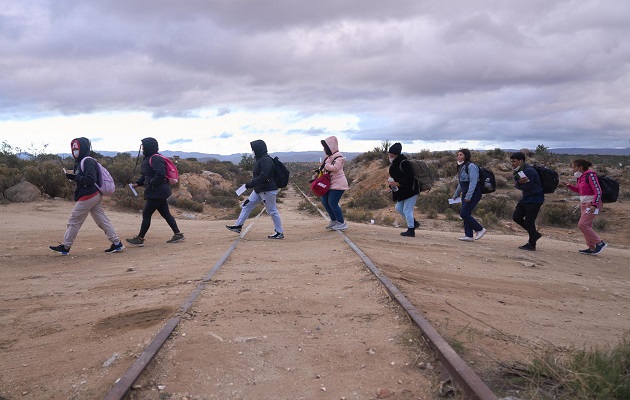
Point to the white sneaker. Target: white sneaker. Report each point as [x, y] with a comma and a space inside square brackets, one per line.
[467, 239]
[480, 234]
[340, 227]
[331, 225]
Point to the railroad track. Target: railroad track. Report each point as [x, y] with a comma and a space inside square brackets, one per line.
[453, 365]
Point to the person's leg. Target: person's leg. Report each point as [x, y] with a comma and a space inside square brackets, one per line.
[407, 211]
[333, 202]
[103, 222]
[470, 223]
[518, 215]
[77, 218]
[326, 203]
[165, 212]
[269, 199]
[586, 227]
[531, 213]
[150, 205]
[252, 201]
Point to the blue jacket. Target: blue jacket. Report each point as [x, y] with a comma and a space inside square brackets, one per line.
[468, 179]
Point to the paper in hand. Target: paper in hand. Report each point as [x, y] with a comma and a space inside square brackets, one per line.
[241, 190]
[133, 190]
[455, 201]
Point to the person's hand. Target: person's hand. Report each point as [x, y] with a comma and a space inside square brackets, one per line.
[134, 185]
[71, 176]
[565, 183]
[523, 180]
[466, 201]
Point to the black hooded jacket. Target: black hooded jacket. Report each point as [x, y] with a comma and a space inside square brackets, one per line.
[85, 179]
[153, 172]
[262, 180]
[402, 172]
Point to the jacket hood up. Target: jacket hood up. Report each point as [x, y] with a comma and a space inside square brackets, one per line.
[330, 144]
[149, 146]
[259, 148]
[83, 145]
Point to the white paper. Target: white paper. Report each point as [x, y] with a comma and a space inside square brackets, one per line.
[596, 211]
[522, 174]
[133, 190]
[241, 190]
[455, 201]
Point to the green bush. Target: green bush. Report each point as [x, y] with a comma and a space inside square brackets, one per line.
[497, 205]
[49, 177]
[124, 198]
[559, 215]
[307, 206]
[187, 204]
[370, 200]
[435, 200]
[8, 177]
[357, 215]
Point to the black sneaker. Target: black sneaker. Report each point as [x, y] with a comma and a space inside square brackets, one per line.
[416, 224]
[61, 249]
[528, 247]
[178, 237]
[115, 248]
[276, 235]
[586, 251]
[600, 246]
[234, 228]
[136, 241]
[411, 232]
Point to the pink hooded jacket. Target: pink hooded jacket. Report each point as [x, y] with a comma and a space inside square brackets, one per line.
[334, 165]
[588, 188]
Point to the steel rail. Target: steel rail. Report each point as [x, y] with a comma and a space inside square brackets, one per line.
[460, 372]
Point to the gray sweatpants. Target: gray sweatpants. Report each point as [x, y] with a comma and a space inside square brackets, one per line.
[80, 212]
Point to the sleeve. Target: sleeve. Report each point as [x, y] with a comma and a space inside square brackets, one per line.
[158, 165]
[473, 173]
[88, 176]
[265, 175]
[593, 182]
[334, 165]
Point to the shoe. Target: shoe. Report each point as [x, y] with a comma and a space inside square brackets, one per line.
[467, 239]
[538, 235]
[480, 234]
[234, 228]
[178, 237]
[277, 235]
[61, 249]
[136, 241]
[331, 225]
[586, 251]
[115, 248]
[416, 224]
[600, 246]
[411, 232]
[528, 247]
[341, 226]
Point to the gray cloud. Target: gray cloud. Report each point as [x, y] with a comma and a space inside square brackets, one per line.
[549, 72]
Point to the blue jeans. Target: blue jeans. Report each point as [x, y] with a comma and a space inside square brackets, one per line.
[405, 208]
[470, 223]
[330, 202]
[269, 200]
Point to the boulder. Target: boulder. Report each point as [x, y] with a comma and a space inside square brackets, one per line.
[23, 192]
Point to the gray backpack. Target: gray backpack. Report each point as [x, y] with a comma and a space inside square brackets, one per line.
[421, 173]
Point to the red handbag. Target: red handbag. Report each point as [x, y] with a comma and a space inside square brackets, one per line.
[321, 185]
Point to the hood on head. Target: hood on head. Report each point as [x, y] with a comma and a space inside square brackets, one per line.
[149, 146]
[82, 144]
[330, 144]
[259, 148]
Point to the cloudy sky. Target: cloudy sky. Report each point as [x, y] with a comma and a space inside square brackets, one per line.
[212, 75]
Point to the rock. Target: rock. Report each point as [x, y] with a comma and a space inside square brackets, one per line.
[23, 192]
[383, 393]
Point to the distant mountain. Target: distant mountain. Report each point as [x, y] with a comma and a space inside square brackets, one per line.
[603, 152]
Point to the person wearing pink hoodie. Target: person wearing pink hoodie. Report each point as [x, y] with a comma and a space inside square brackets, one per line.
[338, 184]
[590, 204]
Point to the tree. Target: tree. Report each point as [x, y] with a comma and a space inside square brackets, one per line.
[247, 162]
[543, 153]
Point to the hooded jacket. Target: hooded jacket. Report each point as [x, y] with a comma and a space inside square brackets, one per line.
[532, 190]
[402, 172]
[588, 188]
[334, 164]
[153, 172]
[84, 180]
[262, 180]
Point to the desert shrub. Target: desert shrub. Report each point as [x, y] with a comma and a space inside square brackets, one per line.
[122, 169]
[559, 215]
[8, 177]
[357, 215]
[219, 198]
[307, 206]
[431, 214]
[436, 200]
[187, 204]
[600, 224]
[497, 154]
[124, 198]
[48, 176]
[499, 206]
[370, 156]
[387, 220]
[369, 200]
[451, 215]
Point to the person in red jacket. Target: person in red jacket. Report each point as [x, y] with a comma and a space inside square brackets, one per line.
[590, 204]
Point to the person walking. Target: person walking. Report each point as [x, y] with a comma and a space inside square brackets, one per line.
[404, 187]
[265, 190]
[157, 191]
[87, 199]
[333, 164]
[469, 189]
[590, 192]
[528, 181]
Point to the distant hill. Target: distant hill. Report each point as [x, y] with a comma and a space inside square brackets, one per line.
[603, 152]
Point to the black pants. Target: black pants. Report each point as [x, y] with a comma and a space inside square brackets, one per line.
[525, 215]
[162, 207]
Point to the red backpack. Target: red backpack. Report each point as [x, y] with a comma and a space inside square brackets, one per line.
[171, 169]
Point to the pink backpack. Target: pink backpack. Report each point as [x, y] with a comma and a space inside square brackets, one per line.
[171, 169]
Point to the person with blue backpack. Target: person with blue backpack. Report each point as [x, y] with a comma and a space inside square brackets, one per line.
[88, 199]
[469, 189]
[157, 190]
[527, 180]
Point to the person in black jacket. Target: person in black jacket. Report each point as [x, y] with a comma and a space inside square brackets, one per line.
[528, 181]
[157, 191]
[265, 190]
[88, 200]
[404, 187]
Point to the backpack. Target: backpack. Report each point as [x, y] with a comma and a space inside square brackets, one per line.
[172, 174]
[280, 173]
[487, 180]
[610, 189]
[421, 173]
[548, 178]
[105, 182]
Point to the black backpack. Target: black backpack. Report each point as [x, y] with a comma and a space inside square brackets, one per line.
[280, 173]
[548, 178]
[486, 179]
[610, 189]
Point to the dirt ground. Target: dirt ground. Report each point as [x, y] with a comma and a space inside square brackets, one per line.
[299, 318]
